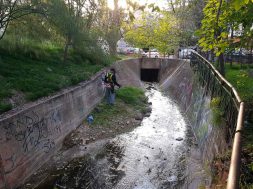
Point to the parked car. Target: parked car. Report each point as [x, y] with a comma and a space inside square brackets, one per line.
[185, 53]
[143, 54]
[130, 50]
[152, 54]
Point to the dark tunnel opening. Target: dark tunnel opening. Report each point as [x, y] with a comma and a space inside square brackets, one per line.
[149, 75]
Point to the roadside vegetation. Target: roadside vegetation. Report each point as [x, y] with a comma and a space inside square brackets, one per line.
[31, 79]
[48, 45]
[130, 101]
[241, 77]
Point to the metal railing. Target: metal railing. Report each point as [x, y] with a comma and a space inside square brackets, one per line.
[242, 59]
[232, 106]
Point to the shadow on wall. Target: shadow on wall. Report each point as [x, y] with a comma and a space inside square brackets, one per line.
[185, 88]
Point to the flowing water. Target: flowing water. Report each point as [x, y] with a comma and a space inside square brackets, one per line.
[151, 156]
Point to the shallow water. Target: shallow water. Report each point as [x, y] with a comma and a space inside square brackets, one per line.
[151, 156]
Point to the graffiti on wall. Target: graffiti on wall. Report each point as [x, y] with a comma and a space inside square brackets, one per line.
[2, 179]
[33, 131]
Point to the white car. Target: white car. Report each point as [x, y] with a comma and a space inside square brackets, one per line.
[152, 54]
[185, 53]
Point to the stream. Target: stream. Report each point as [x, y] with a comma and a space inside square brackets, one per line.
[152, 156]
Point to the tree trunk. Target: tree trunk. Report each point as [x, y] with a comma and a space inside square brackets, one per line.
[222, 64]
[231, 54]
[68, 41]
[251, 55]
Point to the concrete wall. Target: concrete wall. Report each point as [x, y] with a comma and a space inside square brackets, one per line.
[29, 137]
[183, 85]
[151, 63]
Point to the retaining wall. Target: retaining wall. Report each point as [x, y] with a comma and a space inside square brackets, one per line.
[29, 137]
[183, 85]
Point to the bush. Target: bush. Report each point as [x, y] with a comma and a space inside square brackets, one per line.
[131, 95]
[5, 107]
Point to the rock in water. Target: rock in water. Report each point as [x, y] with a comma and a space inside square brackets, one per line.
[138, 116]
[179, 139]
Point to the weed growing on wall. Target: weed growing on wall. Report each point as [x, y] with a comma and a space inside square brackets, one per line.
[217, 111]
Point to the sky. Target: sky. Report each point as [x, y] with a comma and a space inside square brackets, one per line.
[122, 3]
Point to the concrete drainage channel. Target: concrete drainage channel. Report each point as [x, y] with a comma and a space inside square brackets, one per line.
[151, 156]
[160, 153]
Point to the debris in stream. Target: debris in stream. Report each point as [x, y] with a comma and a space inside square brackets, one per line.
[90, 119]
[179, 139]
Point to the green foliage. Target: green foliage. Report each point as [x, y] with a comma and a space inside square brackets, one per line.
[222, 17]
[128, 100]
[202, 187]
[156, 31]
[38, 78]
[240, 3]
[217, 111]
[213, 32]
[5, 107]
[131, 95]
[240, 78]
[107, 112]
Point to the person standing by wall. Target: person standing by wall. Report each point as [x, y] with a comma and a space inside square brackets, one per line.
[110, 82]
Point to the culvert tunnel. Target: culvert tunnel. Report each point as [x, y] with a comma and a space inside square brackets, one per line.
[150, 75]
[159, 154]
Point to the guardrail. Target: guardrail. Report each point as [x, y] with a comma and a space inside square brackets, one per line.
[233, 108]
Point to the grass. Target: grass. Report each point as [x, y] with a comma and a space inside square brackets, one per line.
[132, 95]
[240, 78]
[127, 97]
[40, 74]
[125, 56]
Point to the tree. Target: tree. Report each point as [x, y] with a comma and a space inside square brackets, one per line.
[141, 31]
[214, 30]
[13, 9]
[222, 18]
[72, 21]
[167, 33]
[189, 15]
[154, 30]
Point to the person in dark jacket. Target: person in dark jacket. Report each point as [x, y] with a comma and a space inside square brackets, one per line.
[110, 82]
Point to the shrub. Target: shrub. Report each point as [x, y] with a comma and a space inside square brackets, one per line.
[217, 111]
[131, 95]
